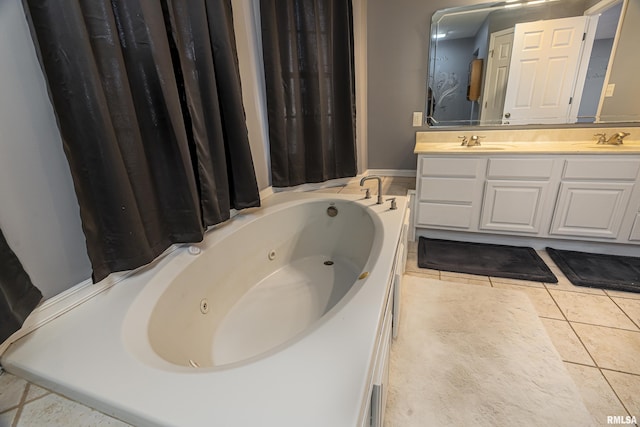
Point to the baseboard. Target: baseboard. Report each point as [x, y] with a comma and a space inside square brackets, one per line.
[392, 172]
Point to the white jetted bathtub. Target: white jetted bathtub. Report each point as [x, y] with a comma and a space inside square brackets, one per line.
[280, 317]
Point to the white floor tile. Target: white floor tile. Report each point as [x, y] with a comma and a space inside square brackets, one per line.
[631, 307]
[627, 387]
[594, 309]
[56, 411]
[11, 390]
[6, 418]
[566, 342]
[540, 298]
[596, 393]
[614, 349]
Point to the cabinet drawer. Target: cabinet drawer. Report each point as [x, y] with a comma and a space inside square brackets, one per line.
[458, 167]
[447, 189]
[520, 168]
[444, 215]
[597, 169]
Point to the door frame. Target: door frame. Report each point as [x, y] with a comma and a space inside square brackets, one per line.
[596, 10]
[488, 70]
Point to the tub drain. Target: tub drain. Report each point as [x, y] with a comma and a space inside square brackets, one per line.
[328, 263]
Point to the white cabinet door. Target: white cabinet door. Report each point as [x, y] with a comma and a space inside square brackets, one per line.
[591, 209]
[514, 206]
[635, 231]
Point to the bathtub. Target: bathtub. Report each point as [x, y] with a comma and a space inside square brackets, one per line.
[280, 317]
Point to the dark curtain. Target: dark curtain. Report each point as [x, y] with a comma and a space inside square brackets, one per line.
[309, 71]
[18, 296]
[148, 100]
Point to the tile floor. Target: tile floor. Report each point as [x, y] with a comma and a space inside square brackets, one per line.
[596, 332]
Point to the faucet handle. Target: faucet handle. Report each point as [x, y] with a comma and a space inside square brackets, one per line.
[463, 139]
[622, 135]
[602, 137]
[367, 194]
[394, 206]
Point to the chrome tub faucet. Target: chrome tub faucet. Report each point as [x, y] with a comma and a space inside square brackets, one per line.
[366, 178]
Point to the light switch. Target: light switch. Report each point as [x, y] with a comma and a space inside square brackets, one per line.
[610, 88]
[417, 118]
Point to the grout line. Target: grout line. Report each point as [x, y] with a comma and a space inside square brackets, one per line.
[25, 392]
[603, 326]
[620, 372]
[595, 364]
[614, 391]
[608, 383]
[625, 313]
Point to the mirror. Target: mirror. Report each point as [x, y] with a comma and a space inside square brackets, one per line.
[534, 62]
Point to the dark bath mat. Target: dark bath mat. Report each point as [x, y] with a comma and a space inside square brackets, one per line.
[483, 259]
[619, 273]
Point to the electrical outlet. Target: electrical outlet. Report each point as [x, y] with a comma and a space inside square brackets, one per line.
[610, 88]
[417, 118]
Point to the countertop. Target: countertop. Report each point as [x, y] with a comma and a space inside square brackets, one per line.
[555, 141]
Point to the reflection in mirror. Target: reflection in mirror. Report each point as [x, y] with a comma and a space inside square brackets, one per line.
[533, 62]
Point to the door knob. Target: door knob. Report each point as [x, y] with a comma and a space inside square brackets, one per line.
[507, 115]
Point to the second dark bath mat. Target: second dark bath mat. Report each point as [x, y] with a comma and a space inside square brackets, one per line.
[619, 273]
[512, 262]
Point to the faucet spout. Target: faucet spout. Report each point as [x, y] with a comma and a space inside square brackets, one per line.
[366, 178]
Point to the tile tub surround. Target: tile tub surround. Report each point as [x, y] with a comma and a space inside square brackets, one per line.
[613, 393]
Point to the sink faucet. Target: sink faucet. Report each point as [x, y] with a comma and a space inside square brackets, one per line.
[380, 201]
[616, 138]
[475, 140]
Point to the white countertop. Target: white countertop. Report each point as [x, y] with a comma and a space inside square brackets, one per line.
[530, 141]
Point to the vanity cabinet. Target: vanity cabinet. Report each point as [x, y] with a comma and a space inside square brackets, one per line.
[561, 196]
[517, 193]
[594, 196]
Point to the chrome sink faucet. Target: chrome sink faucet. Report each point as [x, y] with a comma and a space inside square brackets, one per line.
[475, 140]
[616, 138]
[366, 178]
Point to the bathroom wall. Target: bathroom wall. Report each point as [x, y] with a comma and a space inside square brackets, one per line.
[398, 38]
[624, 71]
[39, 212]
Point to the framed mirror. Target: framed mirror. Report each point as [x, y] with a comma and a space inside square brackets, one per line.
[534, 62]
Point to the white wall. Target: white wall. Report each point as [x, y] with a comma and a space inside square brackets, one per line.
[249, 45]
[39, 213]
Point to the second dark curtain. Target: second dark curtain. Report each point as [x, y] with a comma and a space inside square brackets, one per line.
[148, 99]
[18, 295]
[309, 70]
